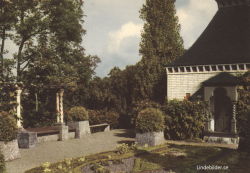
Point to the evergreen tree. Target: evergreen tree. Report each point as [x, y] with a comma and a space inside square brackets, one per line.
[161, 38]
[161, 44]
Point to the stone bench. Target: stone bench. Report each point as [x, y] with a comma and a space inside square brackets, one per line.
[51, 133]
[104, 126]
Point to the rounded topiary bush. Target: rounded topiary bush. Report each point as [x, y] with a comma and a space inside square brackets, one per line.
[77, 113]
[8, 127]
[150, 120]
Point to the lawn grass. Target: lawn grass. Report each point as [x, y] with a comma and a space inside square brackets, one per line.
[178, 158]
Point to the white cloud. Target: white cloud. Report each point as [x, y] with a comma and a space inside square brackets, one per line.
[127, 30]
[194, 17]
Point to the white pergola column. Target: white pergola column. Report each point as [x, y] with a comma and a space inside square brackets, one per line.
[59, 106]
[18, 108]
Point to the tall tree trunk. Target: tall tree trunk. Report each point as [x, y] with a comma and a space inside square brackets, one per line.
[19, 58]
[2, 51]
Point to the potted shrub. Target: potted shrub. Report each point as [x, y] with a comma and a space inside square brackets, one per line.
[150, 127]
[8, 137]
[77, 118]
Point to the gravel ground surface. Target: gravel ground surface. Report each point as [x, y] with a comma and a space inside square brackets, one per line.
[59, 150]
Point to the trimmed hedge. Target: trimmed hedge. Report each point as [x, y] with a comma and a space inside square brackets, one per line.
[150, 120]
[102, 116]
[186, 119]
[245, 137]
[8, 127]
[2, 163]
[77, 113]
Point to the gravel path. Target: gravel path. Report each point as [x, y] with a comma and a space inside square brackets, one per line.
[58, 150]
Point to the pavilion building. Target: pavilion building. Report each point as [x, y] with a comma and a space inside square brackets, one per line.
[208, 70]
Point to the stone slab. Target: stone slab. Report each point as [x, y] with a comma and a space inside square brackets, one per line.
[221, 140]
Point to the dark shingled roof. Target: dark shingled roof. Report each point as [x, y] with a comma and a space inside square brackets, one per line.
[225, 79]
[226, 40]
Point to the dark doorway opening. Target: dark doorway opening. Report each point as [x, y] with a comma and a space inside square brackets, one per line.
[222, 110]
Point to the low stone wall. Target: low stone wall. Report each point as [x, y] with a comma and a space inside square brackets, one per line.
[10, 150]
[221, 140]
[150, 138]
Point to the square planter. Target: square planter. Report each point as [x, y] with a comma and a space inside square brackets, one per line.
[81, 128]
[150, 138]
[27, 139]
[10, 150]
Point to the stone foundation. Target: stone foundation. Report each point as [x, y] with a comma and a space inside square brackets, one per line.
[150, 138]
[221, 140]
[10, 150]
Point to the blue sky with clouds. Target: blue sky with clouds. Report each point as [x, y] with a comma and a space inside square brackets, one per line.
[114, 27]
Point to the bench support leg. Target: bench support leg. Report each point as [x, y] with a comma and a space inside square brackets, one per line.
[107, 128]
[64, 132]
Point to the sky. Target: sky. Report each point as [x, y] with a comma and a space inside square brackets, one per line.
[114, 28]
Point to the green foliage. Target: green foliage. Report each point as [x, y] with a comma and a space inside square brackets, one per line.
[77, 113]
[7, 97]
[245, 136]
[102, 116]
[161, 36]
[40, 118]
[161, 44]
[139, 106]
[186, 119]
[2, 163]
[150, 120]
[8, 127]
[243, 113]
[123, 148]
[243, 105]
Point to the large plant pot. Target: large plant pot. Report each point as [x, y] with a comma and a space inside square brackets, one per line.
[10, 150]
[150, 138]
[81, 128]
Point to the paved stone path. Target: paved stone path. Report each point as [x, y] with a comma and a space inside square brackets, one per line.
[58, 150]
